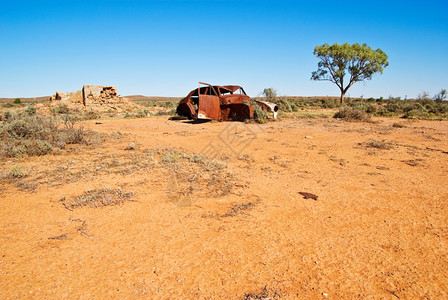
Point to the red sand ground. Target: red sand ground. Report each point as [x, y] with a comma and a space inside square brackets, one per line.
[378, 228]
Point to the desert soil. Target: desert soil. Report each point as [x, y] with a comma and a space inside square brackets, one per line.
[233, 225]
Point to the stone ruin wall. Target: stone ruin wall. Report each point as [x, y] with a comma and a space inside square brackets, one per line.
[90, 94]
[97, 93]
[94, 97]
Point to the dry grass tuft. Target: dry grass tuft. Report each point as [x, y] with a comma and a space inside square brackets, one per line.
[377, 144]
[265, 293]
[18, 171]
[398, 125]
[239, 208]
[98, 198]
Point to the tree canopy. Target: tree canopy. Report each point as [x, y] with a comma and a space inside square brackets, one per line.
[346, 64]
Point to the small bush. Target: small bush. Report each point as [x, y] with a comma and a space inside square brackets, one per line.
[393, 107]
[417, 114]
[441, 108]
[371, 109]
[413, 106]
[24, 135]
[60, 109]
[367, 107]
[329, 103]
[351, 114]
[142, 113]
[17, 171]
[90, 115]
[7, 115]
[30, 110]
[260, 115]
[171, 157]
[168, 104]
[30, 148]
[17, 101]
[283, 104]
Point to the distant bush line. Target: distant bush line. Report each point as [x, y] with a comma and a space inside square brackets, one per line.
[408, 109]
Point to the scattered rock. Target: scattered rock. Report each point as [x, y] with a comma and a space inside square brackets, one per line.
[308, 195]
[131, 146]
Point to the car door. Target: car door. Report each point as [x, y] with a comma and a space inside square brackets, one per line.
[208, 107]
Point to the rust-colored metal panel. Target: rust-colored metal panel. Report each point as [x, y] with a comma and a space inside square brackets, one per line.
[208, 107]
[234, 99]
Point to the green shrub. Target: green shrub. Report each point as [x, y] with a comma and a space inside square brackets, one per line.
[260, 115]
[142, 113]
[393, 107]
[384, 112]
[7, 115]
[417, 114]
[351, 114]
[24, 135]
[371, 109]
[329, 103]
[441, 108]
[30, 110]
[367, 107]
[17, 101]
[168, 104]
[283, 104]
[294, 107]
[414, 106]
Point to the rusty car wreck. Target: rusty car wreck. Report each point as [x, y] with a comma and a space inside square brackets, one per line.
[222, 103]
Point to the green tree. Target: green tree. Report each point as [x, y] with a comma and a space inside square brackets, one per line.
[270, 93]
[358, 62]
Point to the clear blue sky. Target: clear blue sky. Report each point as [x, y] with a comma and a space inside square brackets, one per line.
[163, 48]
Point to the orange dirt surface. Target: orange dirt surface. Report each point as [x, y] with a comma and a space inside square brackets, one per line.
[234, 225]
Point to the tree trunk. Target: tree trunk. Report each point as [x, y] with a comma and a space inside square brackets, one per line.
[342, 97]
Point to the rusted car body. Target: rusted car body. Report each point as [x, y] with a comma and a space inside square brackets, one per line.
[215, 102]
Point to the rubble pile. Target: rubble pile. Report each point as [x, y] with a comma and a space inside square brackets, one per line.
[94, 98]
